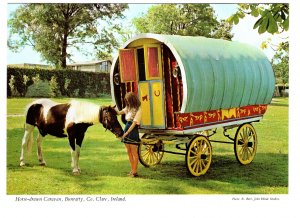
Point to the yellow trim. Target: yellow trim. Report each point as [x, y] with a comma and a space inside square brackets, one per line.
[157, 104]
[146, 46]
[145, 103]
[141, 42]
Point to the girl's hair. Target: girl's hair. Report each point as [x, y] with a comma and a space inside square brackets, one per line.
[132, 101]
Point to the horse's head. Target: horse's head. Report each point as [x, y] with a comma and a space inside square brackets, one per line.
[109, 120]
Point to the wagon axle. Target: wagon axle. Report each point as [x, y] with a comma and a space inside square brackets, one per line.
[249, 144]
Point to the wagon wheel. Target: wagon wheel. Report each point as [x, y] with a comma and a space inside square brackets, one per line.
[245, 144]
[198, 156]
[151, 154]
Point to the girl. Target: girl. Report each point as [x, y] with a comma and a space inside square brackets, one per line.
[133, 116]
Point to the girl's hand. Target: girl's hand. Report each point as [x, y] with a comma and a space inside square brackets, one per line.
[124, 136]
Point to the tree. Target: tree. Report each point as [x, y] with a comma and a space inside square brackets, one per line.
[52, 29]
[280, 63]
[182, 19]
[273, 18]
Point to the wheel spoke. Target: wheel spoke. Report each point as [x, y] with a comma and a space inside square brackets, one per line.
[156, 157]
[193, 161]
[194, 165]
[250, 135]
[250, 152]
[205, 149]
[146, 153]
[197, 147]
[147, 158]
[202, 164]
[246, 154]
[199, 168]
[193, 152]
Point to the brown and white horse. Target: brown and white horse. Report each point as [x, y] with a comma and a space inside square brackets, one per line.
[66, 120]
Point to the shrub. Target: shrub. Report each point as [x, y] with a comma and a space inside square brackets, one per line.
[68, 83]
[54, 87]
[39, 89]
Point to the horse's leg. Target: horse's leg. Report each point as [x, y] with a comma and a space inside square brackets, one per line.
[74, 155]
[79, 139]
[27, 141]
[76, 133]
[39, 150]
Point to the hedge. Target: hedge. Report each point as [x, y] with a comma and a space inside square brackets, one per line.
[68, 83]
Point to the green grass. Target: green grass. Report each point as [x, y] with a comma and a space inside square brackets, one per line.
[104, 163]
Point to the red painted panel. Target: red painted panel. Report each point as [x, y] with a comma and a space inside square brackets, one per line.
[196, 119]
[153, 62]
[128, 66]
[182, 120]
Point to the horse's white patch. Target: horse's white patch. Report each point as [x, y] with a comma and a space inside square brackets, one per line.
[82, 112]
[47, 104]
[75, 159]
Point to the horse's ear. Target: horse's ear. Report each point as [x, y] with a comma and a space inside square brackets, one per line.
[114, 107]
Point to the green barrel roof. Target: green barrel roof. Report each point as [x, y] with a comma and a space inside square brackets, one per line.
[218, 73]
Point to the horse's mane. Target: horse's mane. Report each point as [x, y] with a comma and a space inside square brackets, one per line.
[83, 112]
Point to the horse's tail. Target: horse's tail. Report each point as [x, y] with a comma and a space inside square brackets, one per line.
[29, 130]
[29, 127]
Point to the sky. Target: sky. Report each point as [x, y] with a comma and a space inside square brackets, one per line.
[243, 32]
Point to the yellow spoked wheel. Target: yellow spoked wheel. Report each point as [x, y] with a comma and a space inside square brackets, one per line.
[245, 144]
[151, 154]
[198, 156]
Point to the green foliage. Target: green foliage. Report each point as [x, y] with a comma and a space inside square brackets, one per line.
[55, 92]
[39, 89]
[273, 18]
[280, 63]
[69, 83]
[52, 28]
[182, 19]
[11, 86]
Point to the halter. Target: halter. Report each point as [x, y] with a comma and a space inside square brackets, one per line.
[104, 120]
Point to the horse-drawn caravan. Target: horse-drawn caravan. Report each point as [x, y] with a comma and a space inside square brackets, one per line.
[188, 86]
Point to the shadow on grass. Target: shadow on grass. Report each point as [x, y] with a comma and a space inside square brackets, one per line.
[269, 170]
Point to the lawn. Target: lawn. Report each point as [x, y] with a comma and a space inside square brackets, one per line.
[104, 162]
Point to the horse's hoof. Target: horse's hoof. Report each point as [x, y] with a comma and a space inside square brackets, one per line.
[22, 164]
[43, 164]
[77, 173]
